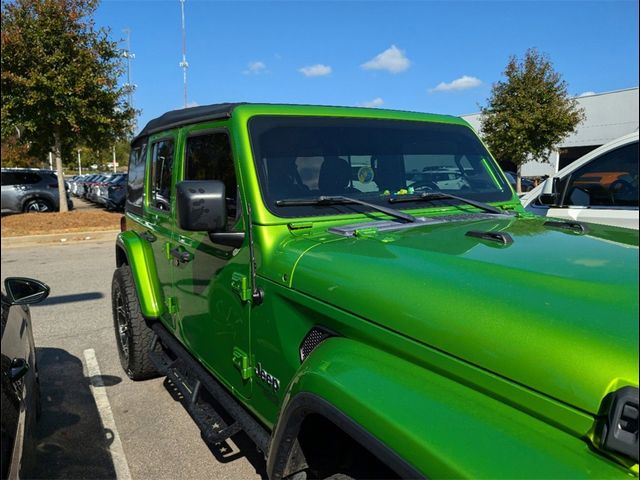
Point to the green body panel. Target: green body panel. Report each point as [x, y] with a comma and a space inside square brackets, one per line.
[441, 426]
[143, 266]
[566, 326]
[467, 358]
[213, 318]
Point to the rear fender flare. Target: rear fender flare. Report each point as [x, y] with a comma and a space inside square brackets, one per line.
[134, 251]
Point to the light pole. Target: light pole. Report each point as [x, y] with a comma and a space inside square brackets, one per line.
[183, 64]
[79, 164]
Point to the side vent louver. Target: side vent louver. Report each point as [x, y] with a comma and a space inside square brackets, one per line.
[315, 337]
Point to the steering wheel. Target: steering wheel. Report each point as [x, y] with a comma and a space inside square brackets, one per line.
[622, 187]
[424, 185]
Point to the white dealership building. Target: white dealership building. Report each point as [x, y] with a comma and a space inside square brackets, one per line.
[607, 116]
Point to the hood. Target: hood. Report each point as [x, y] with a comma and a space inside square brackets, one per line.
[554, 311]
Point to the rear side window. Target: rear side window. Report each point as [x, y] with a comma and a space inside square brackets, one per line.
[135, 184]
[49, 177]
[161, 171]
[30, 178]
[208, 157]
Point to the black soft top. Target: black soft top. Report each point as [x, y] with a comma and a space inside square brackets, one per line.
[185, 116]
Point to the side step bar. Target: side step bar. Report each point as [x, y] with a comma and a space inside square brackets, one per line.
[189, 377]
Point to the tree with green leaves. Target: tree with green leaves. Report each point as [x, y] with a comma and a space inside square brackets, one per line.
[60, 79]
[529, 113]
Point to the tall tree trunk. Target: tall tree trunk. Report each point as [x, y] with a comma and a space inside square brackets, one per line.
[518, 181]
[57, 153]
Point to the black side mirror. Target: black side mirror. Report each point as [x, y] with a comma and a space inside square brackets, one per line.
[23, 291]
[201, 205]
[550, 195]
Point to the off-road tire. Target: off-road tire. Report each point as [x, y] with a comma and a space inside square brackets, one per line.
[133, 337]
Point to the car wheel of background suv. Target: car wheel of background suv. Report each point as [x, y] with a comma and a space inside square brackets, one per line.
[37, 205]
[133, 336]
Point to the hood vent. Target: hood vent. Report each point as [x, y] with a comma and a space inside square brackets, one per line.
[578, 228]
[504, 239]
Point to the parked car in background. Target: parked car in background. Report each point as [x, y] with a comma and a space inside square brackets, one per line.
[25, 190]
[444, 178]
[74, 183]
[80, 185]
[20, 385]
[102, 187]
[526, 183]
[92, 191]
[600, 187]
[112, 195]
[89, 183]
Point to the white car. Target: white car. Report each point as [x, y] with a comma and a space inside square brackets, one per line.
[443, 179]
[600, 187]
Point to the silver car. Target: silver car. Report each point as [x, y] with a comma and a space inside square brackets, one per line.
[30, 191]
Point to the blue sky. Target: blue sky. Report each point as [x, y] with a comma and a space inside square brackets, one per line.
[427, 56]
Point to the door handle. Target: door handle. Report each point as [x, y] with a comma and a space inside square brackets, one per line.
[181, 256]
[19, 368]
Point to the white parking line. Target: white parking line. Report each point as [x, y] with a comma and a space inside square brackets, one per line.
[106, 415]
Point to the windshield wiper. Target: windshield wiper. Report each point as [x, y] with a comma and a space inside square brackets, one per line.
[441, 195]
[340, 200]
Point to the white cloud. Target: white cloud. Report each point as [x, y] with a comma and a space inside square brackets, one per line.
[463, 83]
[392, 59]
[586, 94]
[255, 68]
[318, 70]
[376, 102]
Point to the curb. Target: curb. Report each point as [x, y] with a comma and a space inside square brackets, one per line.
[59, 238]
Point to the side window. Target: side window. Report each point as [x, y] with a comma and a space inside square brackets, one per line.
[32, 178]
[135, 183]
[161, 170]
[208, 157]
[610, 180]
[9, 178]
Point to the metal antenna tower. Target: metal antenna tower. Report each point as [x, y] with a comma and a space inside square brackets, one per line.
[129, 56]
[183, 64]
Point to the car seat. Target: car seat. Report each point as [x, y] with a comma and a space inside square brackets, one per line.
[335, 177]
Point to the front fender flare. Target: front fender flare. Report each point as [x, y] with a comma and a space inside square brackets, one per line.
[134, 251]
[316, 389]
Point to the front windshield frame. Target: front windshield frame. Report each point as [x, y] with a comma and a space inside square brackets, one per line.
[259, 124]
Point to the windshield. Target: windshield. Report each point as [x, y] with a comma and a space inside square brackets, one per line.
[369, 159]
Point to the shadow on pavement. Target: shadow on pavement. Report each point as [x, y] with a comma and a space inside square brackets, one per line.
[70, 440]
[76, 297]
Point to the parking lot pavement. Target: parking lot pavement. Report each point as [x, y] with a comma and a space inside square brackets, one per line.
[158, 438]
[84, 205]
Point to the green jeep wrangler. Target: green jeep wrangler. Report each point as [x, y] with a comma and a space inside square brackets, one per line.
[297, 275]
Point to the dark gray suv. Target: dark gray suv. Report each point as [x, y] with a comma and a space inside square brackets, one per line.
[30, 191]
